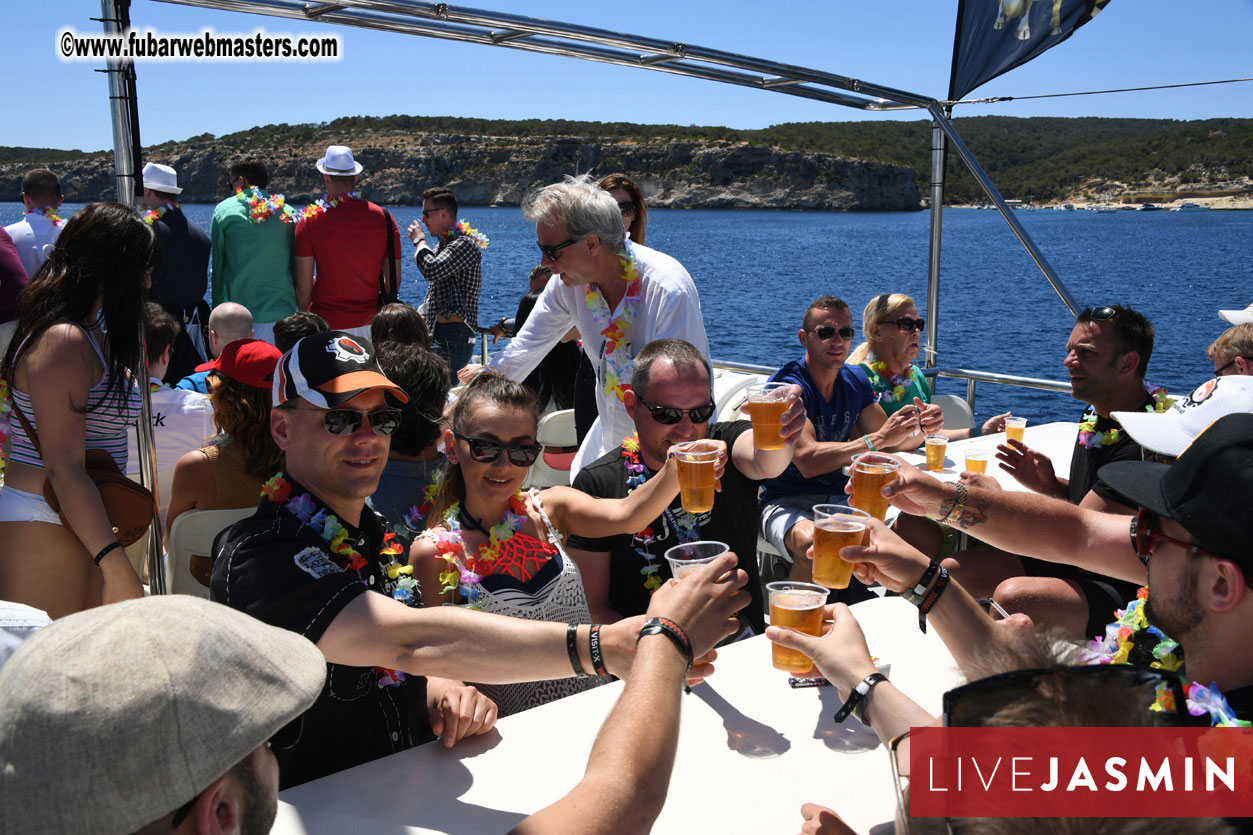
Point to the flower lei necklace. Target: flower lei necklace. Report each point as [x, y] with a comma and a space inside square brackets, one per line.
[279, 491]
[324, 204]
[153, 215]
[464, 227]
[262, 207]
[415, 517]
[6, 417]
[886, 377]
[1131, 639]
[685, 526]
[1091, 439]
[50, 212]
[616, 350]
[465, 572]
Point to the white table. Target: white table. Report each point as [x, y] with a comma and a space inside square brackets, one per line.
[751, 751]
[1056, 440]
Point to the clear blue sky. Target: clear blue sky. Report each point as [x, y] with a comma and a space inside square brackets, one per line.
[900, 43]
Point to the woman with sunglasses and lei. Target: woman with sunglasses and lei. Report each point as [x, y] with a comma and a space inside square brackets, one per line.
[893, 330]
[497, 549]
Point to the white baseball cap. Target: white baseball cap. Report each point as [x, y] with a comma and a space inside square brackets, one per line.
[1170, 432]
[1238, 317]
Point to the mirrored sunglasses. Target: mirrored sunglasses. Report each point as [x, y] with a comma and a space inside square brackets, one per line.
[487, 450]
[347, 421]
[668, 415]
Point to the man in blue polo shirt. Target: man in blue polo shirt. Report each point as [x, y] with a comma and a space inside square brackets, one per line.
[840, 405]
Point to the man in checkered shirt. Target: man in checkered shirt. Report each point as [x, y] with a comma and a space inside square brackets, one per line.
[454, 270]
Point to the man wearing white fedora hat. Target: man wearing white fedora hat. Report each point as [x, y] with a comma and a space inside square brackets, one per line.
[347, 250]
[180, 280]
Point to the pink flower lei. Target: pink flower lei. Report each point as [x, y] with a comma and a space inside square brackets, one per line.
[304, 508]
[262, 207]
[617, 352]
[153, 215]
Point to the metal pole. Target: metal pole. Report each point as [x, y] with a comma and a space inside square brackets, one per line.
[995, 196]
[938, 158]
[115, 16]
[145, 445]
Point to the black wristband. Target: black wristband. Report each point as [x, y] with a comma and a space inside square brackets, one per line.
[934, 595]
[916, 594]
[572, 633]
[104, 552]
[593, 645]
[856, 703]
[667, 627]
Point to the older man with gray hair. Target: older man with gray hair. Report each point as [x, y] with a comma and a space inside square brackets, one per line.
[619, 294]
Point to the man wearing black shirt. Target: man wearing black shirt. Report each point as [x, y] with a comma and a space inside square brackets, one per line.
[671, 379]
[314, 560]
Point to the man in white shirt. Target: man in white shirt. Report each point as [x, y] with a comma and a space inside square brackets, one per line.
[181, 420]
[35, 232]
[619, 294]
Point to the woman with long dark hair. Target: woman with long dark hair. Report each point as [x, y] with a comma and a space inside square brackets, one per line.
[69, 370]
[630, 203]
[500, 549]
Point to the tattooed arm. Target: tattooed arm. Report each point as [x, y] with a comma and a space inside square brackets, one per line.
[1023, 523]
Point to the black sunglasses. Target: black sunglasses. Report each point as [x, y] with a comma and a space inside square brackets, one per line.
[347, 421]
[825, 332]
[553, 251]
[1103, 313]
[1145, 536]
[971, 705]
[668, 415]
[428, 213]
[907, 324]
[1220, 371]
[487, 450]
[627, 207]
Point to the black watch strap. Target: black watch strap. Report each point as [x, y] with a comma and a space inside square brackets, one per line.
[856, 703]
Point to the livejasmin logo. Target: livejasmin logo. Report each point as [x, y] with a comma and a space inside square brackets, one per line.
[1081, 772]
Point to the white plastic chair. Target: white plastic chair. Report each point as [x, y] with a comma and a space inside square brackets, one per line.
[731, 392]
[193, 533]
[556, 429]
[957, 412]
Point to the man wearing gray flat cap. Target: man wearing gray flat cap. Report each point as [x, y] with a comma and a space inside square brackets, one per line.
[150, 715]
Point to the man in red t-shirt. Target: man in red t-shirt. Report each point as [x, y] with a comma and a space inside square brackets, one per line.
[341, 250]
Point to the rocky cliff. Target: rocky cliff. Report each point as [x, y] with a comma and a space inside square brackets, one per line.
[498, 170]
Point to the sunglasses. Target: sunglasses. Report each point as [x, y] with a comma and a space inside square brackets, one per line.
[669, 415]
[487, 450]
[553, 252]
[1145, 536]
[627, 207]
[907, 324]
[1220, 371]
[426, 213]
[973, 704]
[1103, 313]
[347, 421]
[825, 332]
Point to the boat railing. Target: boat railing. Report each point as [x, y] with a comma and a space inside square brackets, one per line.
[973, 378]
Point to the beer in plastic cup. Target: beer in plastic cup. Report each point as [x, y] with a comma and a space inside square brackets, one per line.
[937, 445]
[871, 472]
[696, 479]
[977, 460]
[1015, 428]
[766, 405]
[689, 556]
[836, 527]
[798, 606]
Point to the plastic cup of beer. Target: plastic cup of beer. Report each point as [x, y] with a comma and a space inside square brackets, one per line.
[690, 556]
[766, 404]
[696, 478]
[871, 472]
[977, 460]
[1015, 428]
[798, 606]
[937, 445]
[836, 527]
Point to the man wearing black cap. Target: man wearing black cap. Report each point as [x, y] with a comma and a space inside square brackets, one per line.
[1193, 533]
[314, 560]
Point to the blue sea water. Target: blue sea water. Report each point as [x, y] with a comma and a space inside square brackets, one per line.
[756, 271]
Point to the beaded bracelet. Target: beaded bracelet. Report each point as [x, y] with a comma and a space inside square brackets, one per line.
[572, 632]
[958, 506]
[667, 627]
[593, 645]
[104, 552]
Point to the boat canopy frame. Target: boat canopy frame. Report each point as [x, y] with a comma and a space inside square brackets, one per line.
[488, 28]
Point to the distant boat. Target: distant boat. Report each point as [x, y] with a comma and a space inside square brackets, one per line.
[1148, 207]
[1102, 208]
[1190, 207]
